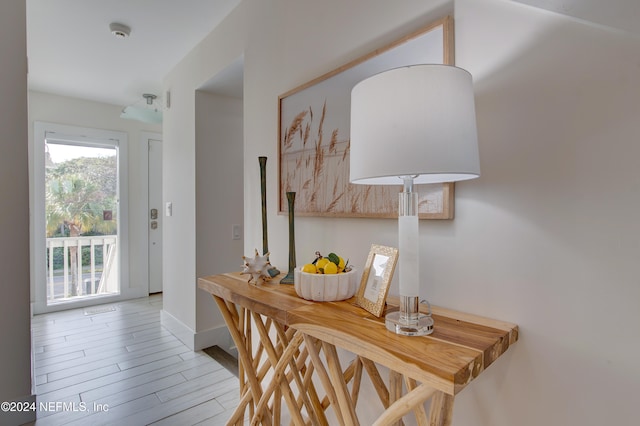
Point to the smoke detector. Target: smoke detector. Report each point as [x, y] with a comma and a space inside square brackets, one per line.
[119, 30]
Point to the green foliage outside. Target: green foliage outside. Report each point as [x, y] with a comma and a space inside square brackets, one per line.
[78, 192]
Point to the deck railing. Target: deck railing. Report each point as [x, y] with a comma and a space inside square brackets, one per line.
[91, 275]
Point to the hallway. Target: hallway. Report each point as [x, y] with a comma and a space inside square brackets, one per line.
[115, 364]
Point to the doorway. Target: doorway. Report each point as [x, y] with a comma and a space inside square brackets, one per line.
[80, 225]
[81, 218]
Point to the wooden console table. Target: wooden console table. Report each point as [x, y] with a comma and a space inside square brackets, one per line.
[297, 339]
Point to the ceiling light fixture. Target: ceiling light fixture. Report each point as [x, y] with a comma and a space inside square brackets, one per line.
[149, 97]
[148, 113]
[119, 30]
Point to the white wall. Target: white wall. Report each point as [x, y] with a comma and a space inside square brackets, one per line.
[293, 42]
[219, 204]
[76, 112]
[186, 310]
[15, 358]
[549, 235]
[547, 238]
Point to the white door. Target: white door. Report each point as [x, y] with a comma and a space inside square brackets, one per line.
[80, 223]
[154, 215]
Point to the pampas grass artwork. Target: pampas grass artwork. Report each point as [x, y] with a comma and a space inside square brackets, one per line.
[314, 136]
[317, 170]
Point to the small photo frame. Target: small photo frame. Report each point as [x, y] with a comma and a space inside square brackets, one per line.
[376, 278]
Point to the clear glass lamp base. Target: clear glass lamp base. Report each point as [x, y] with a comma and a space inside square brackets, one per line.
[408, 321]
[421, 326]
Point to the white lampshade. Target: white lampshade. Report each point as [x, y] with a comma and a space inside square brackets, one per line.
[414, 121]
[413, 125]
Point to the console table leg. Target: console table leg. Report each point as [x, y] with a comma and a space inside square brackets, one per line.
[357, 380]
[395, 391]
[337, 379]
[405, 404]
[314, 353]
[419, 411]
[376, 379]
[441, 412]
[244, 357]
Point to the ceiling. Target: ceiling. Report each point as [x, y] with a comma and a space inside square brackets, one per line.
[619, 14]
[73, 53]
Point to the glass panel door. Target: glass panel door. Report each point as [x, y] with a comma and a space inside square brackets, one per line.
[81, 209]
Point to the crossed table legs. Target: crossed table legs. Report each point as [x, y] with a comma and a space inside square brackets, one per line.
[281, 367]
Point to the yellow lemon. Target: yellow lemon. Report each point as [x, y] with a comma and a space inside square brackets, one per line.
[320, 263]
[330, 268]
[310, 268]
[341, 265]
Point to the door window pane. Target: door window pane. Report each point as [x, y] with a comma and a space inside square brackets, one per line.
[81, 208]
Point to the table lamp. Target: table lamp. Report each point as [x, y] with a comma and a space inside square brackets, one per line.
[409, 126]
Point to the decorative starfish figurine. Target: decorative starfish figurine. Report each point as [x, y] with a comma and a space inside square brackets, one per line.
[258, 268]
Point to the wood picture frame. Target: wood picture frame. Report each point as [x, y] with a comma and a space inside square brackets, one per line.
[376, 278]
[314, 140]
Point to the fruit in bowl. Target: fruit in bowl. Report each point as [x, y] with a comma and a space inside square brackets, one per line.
[327, 279]
[332, 264]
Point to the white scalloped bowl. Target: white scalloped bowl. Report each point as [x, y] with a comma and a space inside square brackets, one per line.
[325, 288]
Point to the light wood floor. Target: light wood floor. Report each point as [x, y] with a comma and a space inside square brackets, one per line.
[124, 360]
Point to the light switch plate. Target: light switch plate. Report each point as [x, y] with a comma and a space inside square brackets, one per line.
[236, 232]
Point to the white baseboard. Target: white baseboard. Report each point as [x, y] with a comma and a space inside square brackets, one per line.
[21, 416]
[177, 328]
[218, 336]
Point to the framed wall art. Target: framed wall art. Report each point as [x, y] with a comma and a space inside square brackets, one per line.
[313, 148]
[376, 278]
